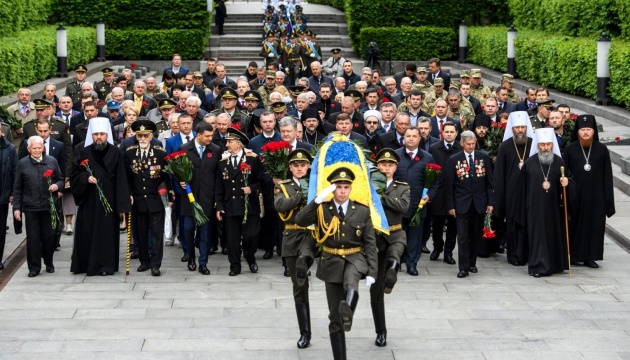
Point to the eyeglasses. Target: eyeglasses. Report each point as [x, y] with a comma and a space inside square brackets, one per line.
[371, 122]
[142, 135]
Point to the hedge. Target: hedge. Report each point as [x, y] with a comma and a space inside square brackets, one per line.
[136, 14]
[154, 44]
[410, 43]
[334, 3]
[18, 15]
[31, 56]
[487, 46]
[619, 61]
[586, 18]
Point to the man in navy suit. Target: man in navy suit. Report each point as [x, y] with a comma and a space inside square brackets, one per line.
[176, 68]
[410, 169]
[65, 109]
[529, 101]
[436, 72]
[469, 196]
[395, 139]
[505, 106]
[440, 117]
[344, 126]
[426, 140]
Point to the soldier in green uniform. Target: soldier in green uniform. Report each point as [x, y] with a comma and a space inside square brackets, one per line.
[271, 50]
[293, 51]
[422, 83]
[507, 81]
[345, 233]
[104, 87]
[477, 89]
[297, 242]
[460, 108]
[268, 88]
[74, 88]
[395, 200]
[167, 107]
[541, 118]
[437, 93]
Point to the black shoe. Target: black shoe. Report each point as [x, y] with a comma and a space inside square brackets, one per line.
[338, 344]
[253, 267]
[501, 249]
[33, 274]
[143, 267]
[412, 271]
[473, 269]
[592, 264]
[391, 276]
[286, 272]
[185, 258]
[268, 255]
[279, 250]
[192, 266]
[234, 273]
[50, 269]
[1, 266]
[462, 274]
[448, 258]
[212, 251]
[224, 251]
[378, 314]
[425, 250]
[301, 269]
[155, 271]
[203, 269]
[347, 307]
[537, 275]
[434, 255]
[303, 313]
[103, 273]
[135, 254]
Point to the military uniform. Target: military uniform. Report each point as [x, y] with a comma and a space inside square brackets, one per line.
[145, 177]
[74, 91]
[464, 111]
[264, 92]
[480, 92]
[272, 48]
[425, 87]
[513, 97]
[293, 54]
[430, 99]
[104, 88]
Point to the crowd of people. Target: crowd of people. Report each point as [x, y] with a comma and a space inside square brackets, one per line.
[532, 171]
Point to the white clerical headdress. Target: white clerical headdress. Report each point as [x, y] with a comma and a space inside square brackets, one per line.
[97, 125]
[518, 118]
[544, 135]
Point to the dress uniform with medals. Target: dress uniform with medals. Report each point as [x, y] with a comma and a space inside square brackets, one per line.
[346, 236]
[297, 242]
[74, 88]
[395, 199]
[145, 177]
[104, 88]
[239, 119]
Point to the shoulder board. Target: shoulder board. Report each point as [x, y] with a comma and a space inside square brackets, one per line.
[132, 147]
[401, 182]
[360, 203]
[251, 154]
[285, 181]
[157, 147]
[224, 159]
[56, 118]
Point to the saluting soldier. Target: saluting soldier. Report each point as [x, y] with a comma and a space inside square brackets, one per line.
[298, 246]
[105, 86]
[145, 163]
[344, 229]
[395, 199]
[74, 88]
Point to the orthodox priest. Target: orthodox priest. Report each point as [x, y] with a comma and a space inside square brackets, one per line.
[538, 213]
[589, 162]
[513, 152]
[96, 248]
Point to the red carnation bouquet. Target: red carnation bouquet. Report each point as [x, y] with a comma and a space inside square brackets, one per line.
[488, 233]
[86, 164]
[54, 217]
[431, 173]
[246, 170]
[494, 138]
[275, 155]
[181, 168]
[568, 127]
[236, 125]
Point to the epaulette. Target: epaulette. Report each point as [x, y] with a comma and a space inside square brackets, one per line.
[158, 147]
[401, 182]
[251, 154]
[57, 118]
[285, 181]
[132, 147]
[360, 203]
[225, 159]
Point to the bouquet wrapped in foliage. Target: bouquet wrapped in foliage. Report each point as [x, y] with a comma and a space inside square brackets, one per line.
[431, 174]
[54, 217]
[181, 168]
[569, 124]
[85, 163]
[9, 119]
[275, 155]
[246, 170]
[494, 138]
[488, 233]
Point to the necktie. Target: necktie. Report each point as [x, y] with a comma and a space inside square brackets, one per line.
[470, 160]
[201, 148]
[441, 128]
[411, 155]
[385, 127]
[500, 106]
[402, 141]
[234, 160]
[340, 210]
[143, 158]
[530, 105]
[67, 117]
[449, 147]
[187, 138]
[44, 148]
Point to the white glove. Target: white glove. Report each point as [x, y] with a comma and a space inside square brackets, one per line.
[369, 281]
[324, 194]
[312, 55]
[271, 55]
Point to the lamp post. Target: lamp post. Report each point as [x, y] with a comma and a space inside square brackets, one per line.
[463, 42]
[100, 40]
[603, 71]
[62, 52]
[511, 50]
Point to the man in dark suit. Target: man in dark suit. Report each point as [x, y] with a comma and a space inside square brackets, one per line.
[437, 121]
[476, 104]
[348, 108]
[469, 195]
[426, 140]
[529, 101]
[142, 101]
[505, 106]
[176, 67]
[410, 169]
[409, 71]
[222, 76]
[344, 126]
[190, 86]
[79, 123]
[436, 72]
[441, 152]
[395, 139]
[205, 158]
[326, 98]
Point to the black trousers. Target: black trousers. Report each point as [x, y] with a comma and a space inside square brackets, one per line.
[271, 230]
[469, 231]
[4, 212]
[152, 222]
[234, 231]
[438, 231]
[40, 239]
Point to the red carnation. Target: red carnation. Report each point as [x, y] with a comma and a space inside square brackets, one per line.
[573, 117]
[484, 96]
[332, 105]
[385, 100]
[417, 158]
[245, 168]
[209, 155]
[162, 191]
[617, 138]
[133, 66]
[144, 103]
[372, 156]
[84, 162]
[356, 125]
[236, 125]
[48, 173]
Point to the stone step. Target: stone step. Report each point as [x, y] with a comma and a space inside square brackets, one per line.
[317, 28]
[258, 18]
[252, 40]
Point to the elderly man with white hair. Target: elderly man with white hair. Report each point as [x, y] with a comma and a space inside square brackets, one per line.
[318, 78]
[143, 103]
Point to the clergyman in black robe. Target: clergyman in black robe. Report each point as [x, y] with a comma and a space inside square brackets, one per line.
[594, 200]
[96, 236]
[539, 212]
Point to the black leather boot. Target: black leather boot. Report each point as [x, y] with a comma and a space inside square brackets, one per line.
[303, 312]
[302, 264]
[338, 344]
[391, 275]
[347, 307]
[378, 313]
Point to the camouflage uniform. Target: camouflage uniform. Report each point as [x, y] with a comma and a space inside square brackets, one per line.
[431, 98]
[425, 87]
[464, 111]
[479, 92]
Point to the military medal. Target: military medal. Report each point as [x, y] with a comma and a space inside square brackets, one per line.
[226, 175]
[587, 166]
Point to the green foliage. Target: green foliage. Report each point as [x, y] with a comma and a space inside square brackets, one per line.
[334, 3]
[410, 43]
[619, 60]
[135, 14]
[154, 44]
[31, 56]
[18, 15]
[487, 46]
[623, 10]
[586, 18]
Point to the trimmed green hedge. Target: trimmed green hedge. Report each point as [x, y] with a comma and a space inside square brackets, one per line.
[136, 14]
[487, 46]
[334, 3]
[154, 44]
[18, 15]
[619, 61]
[410, 43]
[31, 56]
[587, 18]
